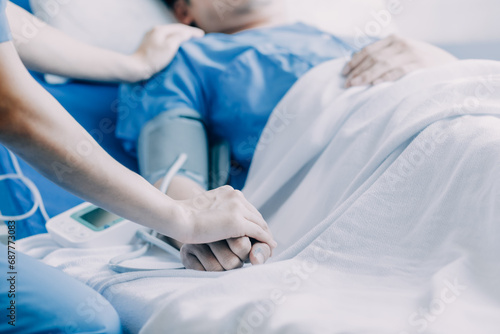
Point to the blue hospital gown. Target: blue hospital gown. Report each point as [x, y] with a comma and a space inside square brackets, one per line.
[4, 26]
[233, 81]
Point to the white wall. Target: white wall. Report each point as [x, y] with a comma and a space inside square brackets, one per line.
[342, 17]
[436, 21]
[450, 21]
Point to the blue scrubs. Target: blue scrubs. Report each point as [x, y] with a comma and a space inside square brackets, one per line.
[4, 25]
[233, 81]
[40, 299]
[36, 298]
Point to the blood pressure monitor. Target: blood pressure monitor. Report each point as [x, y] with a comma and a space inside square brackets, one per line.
[88, 226]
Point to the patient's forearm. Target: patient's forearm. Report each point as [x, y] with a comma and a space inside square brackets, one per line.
[182, 188]
[51, 51]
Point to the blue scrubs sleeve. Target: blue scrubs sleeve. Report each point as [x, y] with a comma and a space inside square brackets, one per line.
[176, 87]
[4, 24]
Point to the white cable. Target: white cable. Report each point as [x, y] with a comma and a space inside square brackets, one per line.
[29, 184]
[37, 198]
[167, 179]
[158, 243]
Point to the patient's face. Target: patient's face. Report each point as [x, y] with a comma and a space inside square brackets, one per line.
[227, 15]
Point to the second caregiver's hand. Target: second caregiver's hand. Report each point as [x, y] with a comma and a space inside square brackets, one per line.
[220, 214]
[159, 46]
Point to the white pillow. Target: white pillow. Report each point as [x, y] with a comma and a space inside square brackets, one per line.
[118, 25]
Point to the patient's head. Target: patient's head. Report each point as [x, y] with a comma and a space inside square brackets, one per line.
[226, 16]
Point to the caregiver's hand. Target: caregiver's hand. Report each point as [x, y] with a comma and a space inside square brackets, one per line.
[390, 59]
[224, 255]
[159, 47]
[220, 214]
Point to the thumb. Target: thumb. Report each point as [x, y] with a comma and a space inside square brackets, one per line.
[260, 253]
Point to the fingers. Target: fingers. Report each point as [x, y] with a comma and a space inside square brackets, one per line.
[222, 214]
[172, 29]
[371, 74]
[363, 54]
[260, 253]
[190, 261]
[203, 255]
[225, 256]
[217, 256]
[395, 74]
[252, 230]
[240, 247]
[254, 214]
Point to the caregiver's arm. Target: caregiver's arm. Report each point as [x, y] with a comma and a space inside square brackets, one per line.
[51, 51]
[36, 127]
[218, 256]
[392, 58]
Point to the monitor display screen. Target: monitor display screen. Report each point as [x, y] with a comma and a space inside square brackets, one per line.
[99, 218]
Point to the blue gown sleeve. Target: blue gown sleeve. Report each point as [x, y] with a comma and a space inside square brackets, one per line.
[176, 87]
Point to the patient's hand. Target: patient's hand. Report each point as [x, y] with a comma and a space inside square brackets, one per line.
[224, 255]
[390, 59]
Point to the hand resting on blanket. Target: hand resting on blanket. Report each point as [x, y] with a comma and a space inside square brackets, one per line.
[390, 59]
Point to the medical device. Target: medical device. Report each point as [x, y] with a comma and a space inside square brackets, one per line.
[182, 131]
[88, 226]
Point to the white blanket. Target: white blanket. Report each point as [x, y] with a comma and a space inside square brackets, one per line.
[385, 202]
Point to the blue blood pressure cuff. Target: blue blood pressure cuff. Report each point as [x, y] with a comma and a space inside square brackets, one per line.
[167, 136]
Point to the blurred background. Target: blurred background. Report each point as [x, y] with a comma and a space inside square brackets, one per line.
[467, 28]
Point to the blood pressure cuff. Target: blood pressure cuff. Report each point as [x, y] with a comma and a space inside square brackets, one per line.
[167, 136]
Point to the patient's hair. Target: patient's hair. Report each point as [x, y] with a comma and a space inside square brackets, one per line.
[171, 3]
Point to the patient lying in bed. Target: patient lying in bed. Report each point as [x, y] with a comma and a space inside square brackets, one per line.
[234, 77]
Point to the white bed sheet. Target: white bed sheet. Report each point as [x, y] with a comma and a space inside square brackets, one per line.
[385, 203]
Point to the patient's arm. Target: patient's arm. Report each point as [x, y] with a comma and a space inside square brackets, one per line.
[392, 58]
[51, 51]
[223, 255]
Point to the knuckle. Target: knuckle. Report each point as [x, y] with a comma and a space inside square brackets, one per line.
[186, 250]
[242, 245]
[227, 188]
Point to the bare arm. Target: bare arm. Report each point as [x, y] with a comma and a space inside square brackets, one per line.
[36, 127]
[51, 51]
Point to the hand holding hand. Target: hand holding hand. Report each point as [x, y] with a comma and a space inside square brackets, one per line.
[220, 214]
[390, 59]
